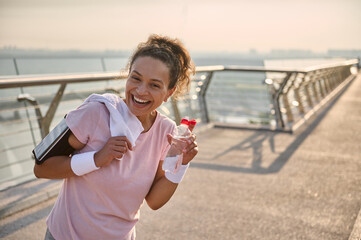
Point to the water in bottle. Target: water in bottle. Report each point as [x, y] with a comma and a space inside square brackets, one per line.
[174, 157]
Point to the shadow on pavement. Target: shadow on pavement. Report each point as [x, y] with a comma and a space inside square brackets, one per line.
[20, 223]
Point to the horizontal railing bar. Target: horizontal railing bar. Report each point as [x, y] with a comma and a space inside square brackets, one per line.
[219, 68]
[332, 65]
[17, 81]
[262, 69]
[275, 70]
[46, 56]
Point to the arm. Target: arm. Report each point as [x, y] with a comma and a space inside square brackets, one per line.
[59, 167]
[163, 189]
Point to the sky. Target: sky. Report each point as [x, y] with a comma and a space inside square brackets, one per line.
[203, 25]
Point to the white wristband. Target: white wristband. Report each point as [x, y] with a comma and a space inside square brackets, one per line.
[178, 176]
[83, 163]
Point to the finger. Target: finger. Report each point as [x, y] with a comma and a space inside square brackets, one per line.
[117, 154]
[191, 139]
[191, 153]
[119, 143]
[120, 149]
[126, 140]
[190, 147]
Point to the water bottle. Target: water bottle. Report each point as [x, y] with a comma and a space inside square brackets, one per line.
[174, 156]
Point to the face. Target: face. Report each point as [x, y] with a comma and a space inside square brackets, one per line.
[147, 86]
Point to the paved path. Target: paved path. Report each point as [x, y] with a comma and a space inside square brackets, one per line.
[249, 184]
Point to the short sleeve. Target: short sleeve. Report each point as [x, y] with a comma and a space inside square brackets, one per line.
[83, 120]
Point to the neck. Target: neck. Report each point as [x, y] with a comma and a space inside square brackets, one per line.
[147, 121]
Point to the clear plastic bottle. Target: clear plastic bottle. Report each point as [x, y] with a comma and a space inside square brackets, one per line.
[174, 157]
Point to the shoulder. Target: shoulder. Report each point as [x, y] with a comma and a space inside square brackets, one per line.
[89, 109]
[83, 120]
[164, 122]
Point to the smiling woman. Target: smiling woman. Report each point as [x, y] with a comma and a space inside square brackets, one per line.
[110, 175]
[147, 87]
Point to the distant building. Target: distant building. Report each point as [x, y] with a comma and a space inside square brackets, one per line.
[293, 53]
[353, 53]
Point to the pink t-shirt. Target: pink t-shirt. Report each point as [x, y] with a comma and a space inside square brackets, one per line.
[105, 204]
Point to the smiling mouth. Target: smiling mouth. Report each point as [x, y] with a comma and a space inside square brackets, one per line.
[140, 101]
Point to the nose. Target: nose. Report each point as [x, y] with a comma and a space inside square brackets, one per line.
[142, 89]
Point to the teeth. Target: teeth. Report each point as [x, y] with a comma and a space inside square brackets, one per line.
[140, 100]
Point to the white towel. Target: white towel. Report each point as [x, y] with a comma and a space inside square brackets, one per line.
[122, 121]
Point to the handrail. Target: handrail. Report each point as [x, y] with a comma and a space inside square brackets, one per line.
[38, 80]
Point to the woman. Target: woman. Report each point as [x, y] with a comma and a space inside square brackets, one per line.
[101, 195]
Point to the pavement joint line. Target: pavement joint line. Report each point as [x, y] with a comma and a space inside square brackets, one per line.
[28, 202]
[356, 231]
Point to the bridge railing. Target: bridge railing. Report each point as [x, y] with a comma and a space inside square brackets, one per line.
[278, 98]
[294, 94]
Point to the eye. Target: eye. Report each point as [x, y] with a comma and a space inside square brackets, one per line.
[155, 85]
[136, 78]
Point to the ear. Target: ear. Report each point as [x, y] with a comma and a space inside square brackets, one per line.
[170, 93]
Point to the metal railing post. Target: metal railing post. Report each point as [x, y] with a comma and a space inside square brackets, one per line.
[278, 114]
[326, 82]
[48, 118]
[44, 122]
[301, 109]
[175, 108]
[306, 85]
[202, 98]
[286, 104]
[314, 89]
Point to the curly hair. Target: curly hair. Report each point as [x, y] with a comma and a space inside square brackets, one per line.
[173, 54]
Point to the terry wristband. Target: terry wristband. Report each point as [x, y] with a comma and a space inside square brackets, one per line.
[178, 176]
[83, 163]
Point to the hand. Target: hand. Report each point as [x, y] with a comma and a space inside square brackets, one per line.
[190, 150]
[115, 147]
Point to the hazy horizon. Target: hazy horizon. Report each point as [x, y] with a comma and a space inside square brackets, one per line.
[204, 26]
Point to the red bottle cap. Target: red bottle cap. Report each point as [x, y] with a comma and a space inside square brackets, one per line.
[185, 121]
[192, 122]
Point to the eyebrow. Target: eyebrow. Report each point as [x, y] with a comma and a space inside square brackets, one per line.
[153, 79]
